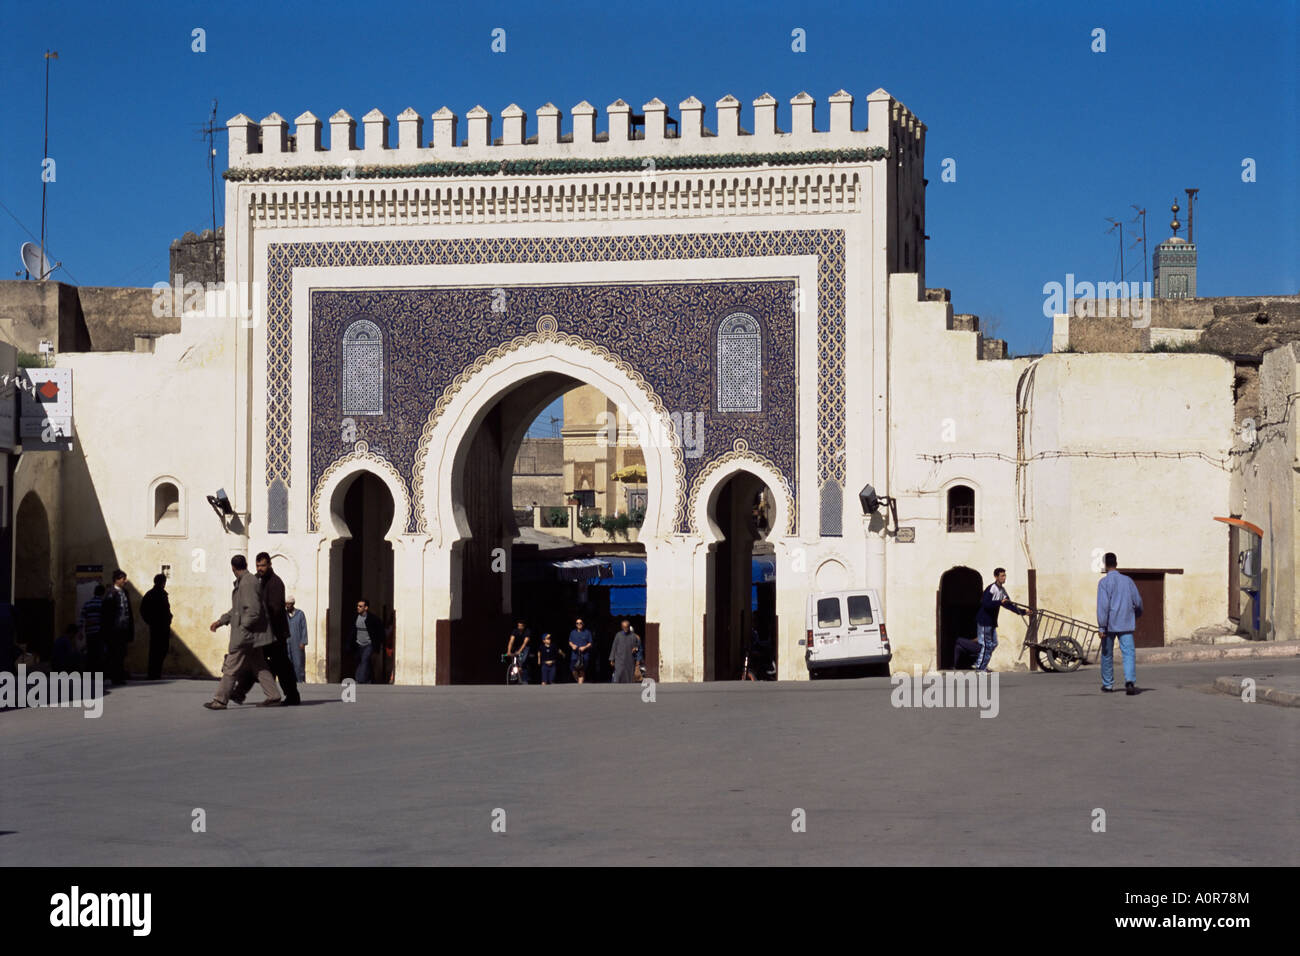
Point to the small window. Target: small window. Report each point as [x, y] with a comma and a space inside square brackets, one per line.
[961, 508]
[828, 612]
[859, 610]
[165, 515]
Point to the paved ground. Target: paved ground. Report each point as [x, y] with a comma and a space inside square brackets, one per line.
[705, 774]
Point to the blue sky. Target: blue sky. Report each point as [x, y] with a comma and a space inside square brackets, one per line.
[1049, 138]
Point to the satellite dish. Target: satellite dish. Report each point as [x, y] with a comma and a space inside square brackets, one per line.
[34, 261]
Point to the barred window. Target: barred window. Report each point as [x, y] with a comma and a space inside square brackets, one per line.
[363, 369]
[740, 364]
[961, 508]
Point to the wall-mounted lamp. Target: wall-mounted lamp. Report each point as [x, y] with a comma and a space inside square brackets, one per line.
[871, 503]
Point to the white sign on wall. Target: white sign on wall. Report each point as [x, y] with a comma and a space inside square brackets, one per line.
[45, 420]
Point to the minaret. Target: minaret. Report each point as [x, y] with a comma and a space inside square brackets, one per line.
[1174, 264]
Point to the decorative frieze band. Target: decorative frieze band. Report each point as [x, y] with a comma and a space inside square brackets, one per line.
[802, 192]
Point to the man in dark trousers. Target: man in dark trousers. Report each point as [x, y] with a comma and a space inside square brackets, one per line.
[277, 652]
[156, 611]
[368, 637]
[986, 621]
[520, 642]
[117, 626]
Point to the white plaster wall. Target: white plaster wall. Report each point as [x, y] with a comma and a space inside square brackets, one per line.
[139, 416]
[1152, 512]
[945, 402]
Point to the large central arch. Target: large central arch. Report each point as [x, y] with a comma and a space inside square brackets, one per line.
[440, 459]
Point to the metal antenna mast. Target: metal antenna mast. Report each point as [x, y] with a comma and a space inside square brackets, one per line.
[49, 55]
[1142, 213]
[1116, 224]
[209, 133]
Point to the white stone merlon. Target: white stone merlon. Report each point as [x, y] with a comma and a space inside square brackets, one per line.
[620, 121]
[444, 129]
[307, 133]
[376, 131]
[692, 119]
[514, 123]
[584, 123]
[242, 136]
[801, 114]
[548, 124]
[765, 116]
[410, 130]
[841, 112]
[656, 113]
[728, 117]
[343, 133]
[480, 127]
[275, 134]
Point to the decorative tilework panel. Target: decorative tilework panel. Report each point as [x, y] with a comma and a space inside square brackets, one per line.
[827, 245]
[662, 329]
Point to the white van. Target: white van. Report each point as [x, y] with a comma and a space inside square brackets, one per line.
[845, 628]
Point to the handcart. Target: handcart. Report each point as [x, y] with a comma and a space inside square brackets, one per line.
[1061, 643]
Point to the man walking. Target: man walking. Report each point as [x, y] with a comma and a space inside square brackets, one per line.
[520, 642]
[368, 636]
[1118, 607]
[249, 633]
[156, 612]
[117, 627]
[622, 654]
[297, 639]
[277, 652]
[580, 644]
[986, 621]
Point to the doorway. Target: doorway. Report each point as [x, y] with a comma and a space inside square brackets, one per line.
[365, 566]
[738, 608]
[958, 602]
[1150, 630]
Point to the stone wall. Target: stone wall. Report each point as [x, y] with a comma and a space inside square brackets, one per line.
[78, 318]
[200, 258]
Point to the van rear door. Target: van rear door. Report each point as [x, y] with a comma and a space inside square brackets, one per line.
[863, 624]
[828, 623]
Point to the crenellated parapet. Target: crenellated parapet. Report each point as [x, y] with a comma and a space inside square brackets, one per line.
[479, 143]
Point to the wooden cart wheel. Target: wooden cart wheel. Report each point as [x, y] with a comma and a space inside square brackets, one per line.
[1046, 659]
[1067, 655]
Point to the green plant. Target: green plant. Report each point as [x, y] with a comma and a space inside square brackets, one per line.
[30, 360]
[558, 517]
[609, 524]
[638, 517]
[1178, 347]
[587, 521]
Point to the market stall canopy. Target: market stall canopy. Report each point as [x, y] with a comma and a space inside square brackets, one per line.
[582, 569]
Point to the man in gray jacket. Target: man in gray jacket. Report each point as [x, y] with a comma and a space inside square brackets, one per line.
[250, 631]
[1118, 608]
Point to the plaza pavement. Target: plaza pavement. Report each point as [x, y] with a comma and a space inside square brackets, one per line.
[706, 774]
